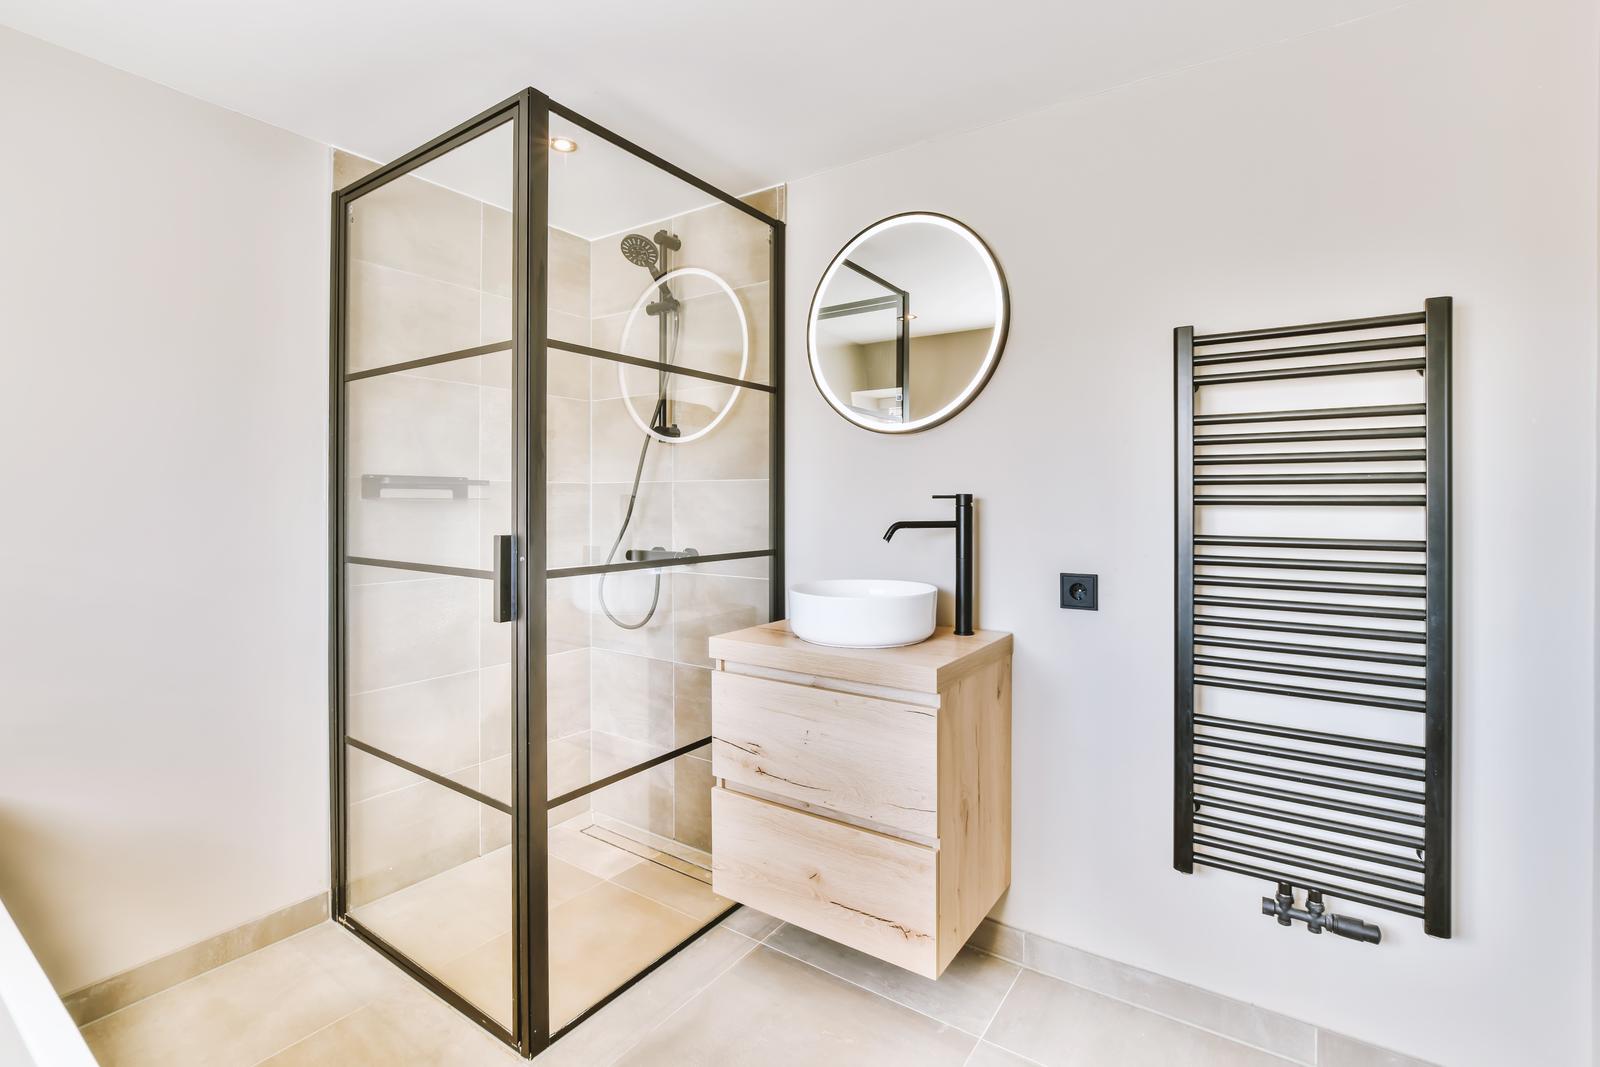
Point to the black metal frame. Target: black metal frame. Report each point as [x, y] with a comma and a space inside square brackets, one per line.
[1215, 778]
[521, 576]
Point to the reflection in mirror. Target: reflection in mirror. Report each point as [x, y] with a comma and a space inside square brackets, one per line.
[908, 323]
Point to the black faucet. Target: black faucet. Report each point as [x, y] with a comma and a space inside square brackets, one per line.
[962, 525]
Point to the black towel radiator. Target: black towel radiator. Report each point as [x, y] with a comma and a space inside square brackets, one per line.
[1333, 776]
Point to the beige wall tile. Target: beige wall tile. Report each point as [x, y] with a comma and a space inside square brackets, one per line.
[407, 631]
[394, 316]
[406, 835]
[628, 596]
[726, 241]
[567, 706]
[649, 526]
[567, 538]
[644, 800]
[494, 320]
[569, 273]
[433, 723]
[349, 167]
[567, 440]
[691, 809]
[568, 373]
[773, 201]
[618, 439]
[707, 604]
[723, 516]
[691, 706]
[416, 226]
[737, 448]
[498, 263]
[631, 697]
[568, 604]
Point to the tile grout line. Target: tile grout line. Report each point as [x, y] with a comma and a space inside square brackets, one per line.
[868, 989]
[691, 998]
[1177, 1019]
[990, 1024]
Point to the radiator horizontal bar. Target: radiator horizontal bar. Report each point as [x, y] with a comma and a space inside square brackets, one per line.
[1319, 737]
[1370, 855]
[1353, 588]
[1345, 763]
[1374, 322]
[1313, 608]
[1310, 800]
[1330, 370]
[1275, 437]
[1316, 822]
[1355, 896]
[1330, 348]
[1328, 500]
[1323, 651]
[1334, 695]
[1354, 544]
[1289, 563]
[1291, 859]
[1318, 478]
[1381, 455]
[1358, 633]
[1370, 411]
[1321, 781]
[1323, 673]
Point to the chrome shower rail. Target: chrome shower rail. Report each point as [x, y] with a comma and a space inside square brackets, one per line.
[1305, 776]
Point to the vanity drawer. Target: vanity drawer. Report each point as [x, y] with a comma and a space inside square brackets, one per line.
[873, 759]
[863, 889]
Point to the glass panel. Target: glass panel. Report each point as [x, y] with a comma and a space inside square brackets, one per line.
[621, 696]
[630, 879]
[429, 472]
[430, 873]
[650, 266]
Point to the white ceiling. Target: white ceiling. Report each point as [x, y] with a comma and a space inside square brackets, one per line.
[745, 94]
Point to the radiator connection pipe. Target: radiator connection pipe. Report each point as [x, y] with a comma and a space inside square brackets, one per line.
[1316, 917]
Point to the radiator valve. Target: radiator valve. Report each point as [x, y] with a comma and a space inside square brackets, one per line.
[1315, 915]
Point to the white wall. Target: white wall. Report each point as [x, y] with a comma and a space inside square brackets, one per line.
[1446, 148]
[163, 310]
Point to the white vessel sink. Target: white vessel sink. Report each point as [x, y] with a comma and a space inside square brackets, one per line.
[862, 612]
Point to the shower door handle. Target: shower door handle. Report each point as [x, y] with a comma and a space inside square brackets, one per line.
[505, 577]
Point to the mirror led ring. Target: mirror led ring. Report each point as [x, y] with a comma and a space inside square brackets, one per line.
[744, 351]
[997, 339]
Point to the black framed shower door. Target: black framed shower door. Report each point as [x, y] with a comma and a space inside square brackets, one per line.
[432, 526]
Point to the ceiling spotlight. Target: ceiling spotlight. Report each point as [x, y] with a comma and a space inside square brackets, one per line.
[563, 144]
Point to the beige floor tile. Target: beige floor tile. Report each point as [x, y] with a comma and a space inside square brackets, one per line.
[966, 996]
[446, 916]
[688, 895]
[625, 1021]
[1061, 1025]
[237, 1014]
[603, 937]
[987, 1055]
[568, 842]
[567, 881]
[773, 1010]
[753, 924]
[410, 1029]
[485, 977]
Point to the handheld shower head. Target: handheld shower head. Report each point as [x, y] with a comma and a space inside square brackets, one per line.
[642, 252]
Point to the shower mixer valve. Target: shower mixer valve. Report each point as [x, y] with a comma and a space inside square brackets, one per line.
[1315, 915]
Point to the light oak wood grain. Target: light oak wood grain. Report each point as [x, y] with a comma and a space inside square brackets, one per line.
[863, 756]
[974, 802]
[927, 667]
[870, 891]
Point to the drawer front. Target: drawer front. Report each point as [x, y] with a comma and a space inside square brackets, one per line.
[872, 892]
[870, 758]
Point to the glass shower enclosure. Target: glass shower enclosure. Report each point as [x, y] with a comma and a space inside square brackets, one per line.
[556, 456]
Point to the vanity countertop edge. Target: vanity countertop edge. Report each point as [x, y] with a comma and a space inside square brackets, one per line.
[928, 666]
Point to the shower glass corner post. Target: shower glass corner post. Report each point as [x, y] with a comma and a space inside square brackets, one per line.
[555, 460]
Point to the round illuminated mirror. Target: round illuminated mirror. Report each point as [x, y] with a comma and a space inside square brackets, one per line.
[908, 323]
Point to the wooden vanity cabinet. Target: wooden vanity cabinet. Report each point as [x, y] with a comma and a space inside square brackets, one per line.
[864, 794]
